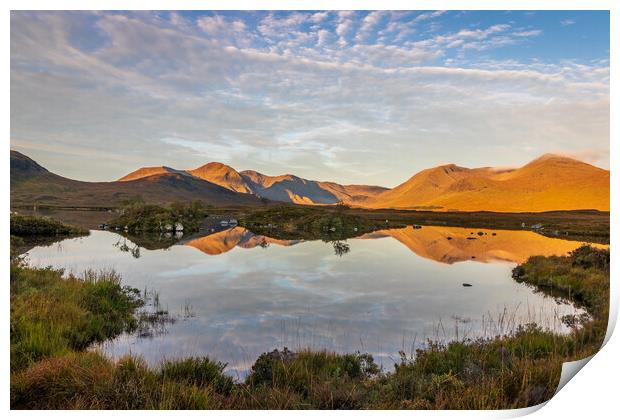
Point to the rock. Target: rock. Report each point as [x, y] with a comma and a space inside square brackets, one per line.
[178, 227]
[168, 227]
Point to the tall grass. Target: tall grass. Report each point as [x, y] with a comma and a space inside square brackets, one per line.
[52, 314]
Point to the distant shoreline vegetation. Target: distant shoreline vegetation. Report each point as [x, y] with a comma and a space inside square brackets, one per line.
[137, 217]
[297, 222]
[41, 226]
[27, 231]
[512, 371]
[582, 225]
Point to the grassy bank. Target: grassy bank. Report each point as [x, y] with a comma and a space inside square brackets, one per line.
[309, 223]
[52, 315]
[41, 226]
[138, 217]
[506, 372]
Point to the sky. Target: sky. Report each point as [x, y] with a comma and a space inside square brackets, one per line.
[366, 97]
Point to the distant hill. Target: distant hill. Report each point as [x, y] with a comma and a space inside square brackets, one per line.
[31, 183]
[150, 171]
[548, 183]
[222, 175]
[285, 188]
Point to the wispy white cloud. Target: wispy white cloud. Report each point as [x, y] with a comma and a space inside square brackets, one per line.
[369, 22]
[428, 15]
[218, 24]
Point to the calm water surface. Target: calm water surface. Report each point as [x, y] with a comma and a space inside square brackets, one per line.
[235, 295]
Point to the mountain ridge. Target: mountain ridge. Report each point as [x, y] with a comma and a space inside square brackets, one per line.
[547, 183]
[550, 182]
[30, 186]
[285, 188]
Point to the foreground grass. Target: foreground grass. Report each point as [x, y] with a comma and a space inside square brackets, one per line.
[506, 372]
[52, 315]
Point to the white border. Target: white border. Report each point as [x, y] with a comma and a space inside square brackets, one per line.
[592, 394]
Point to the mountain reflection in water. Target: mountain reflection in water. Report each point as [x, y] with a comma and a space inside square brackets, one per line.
[224, 241]
[438, 243]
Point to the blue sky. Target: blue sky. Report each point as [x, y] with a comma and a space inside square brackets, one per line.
[349, 96]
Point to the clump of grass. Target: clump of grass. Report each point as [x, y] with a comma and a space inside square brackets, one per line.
[52, 314]
[41, 226]
[320, 379]
[198, 371]
[506, 372]
[582, 276]
[87, 380]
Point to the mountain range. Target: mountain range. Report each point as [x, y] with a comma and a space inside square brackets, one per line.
[286, 188]
[551, 182]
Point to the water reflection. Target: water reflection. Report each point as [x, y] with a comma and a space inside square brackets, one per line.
[341, 248]
[455, 244]
[246, 293]
[443, 244]
[224, 241]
